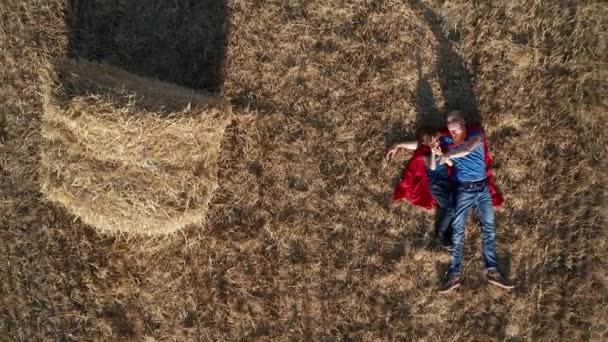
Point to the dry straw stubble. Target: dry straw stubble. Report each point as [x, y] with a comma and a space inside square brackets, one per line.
[125, 153]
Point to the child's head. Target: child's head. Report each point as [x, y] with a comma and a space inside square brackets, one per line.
[429, 137]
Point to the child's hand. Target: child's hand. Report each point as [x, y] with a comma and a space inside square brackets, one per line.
[392, 152]
[437, 150]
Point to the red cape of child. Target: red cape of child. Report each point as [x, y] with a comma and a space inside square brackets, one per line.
[414, 184]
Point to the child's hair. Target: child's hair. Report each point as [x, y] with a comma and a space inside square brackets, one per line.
[428, 136]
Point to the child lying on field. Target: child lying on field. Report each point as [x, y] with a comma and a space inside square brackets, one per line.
[428, 166]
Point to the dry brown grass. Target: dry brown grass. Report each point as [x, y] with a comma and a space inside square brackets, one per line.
[128, 154]
[301, 243]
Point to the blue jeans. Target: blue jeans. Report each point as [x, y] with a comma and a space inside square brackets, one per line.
[445, 206]
[480, 199]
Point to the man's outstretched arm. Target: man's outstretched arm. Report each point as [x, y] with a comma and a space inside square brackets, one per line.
[466, 148]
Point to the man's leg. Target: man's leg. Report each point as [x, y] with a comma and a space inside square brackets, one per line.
[485, 213]
[464, 201]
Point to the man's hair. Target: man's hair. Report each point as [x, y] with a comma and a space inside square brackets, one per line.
[455, 116]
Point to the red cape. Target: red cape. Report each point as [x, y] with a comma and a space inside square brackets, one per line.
[414, 184]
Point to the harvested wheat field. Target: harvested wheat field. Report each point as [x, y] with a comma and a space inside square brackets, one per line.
[301, 240]
[125, 153]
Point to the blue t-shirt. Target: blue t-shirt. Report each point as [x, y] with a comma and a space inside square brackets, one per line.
[440, 173]
[471, 167]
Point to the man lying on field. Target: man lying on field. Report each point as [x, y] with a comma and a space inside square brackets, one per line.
[472, 177]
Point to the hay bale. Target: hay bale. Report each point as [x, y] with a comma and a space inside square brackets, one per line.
[118, 198]
[118, 116]
[128, 154]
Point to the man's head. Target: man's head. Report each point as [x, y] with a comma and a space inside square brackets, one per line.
[455, 123]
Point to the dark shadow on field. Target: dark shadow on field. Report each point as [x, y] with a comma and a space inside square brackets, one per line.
[456, 82]
[3, 131]
[455, 78]
[504, 263]
[441, 269]
[427, 113]
[180, 41]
